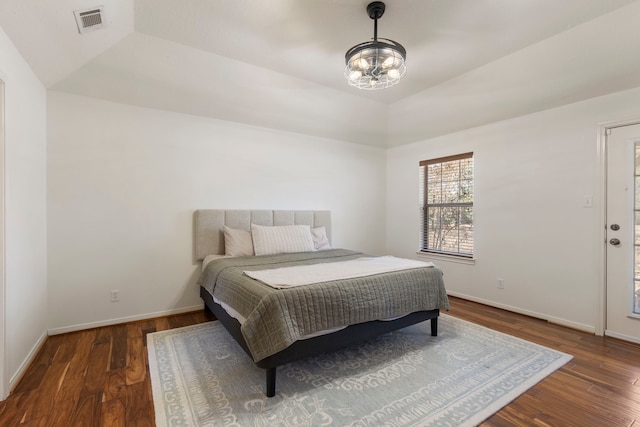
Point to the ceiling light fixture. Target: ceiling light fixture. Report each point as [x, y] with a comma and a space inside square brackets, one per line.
[375, 64]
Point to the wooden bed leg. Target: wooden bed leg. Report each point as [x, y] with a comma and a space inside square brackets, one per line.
[434, 327]
[271, 382]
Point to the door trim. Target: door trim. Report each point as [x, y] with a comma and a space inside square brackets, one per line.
[601, 156]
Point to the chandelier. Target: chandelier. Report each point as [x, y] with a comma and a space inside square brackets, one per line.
[376, 64]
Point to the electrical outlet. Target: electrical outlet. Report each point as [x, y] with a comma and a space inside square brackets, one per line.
[500, 283]
[115, 295]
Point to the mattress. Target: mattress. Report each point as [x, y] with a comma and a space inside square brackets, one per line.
[272, 319]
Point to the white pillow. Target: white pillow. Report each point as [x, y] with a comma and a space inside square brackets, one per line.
[237, 242]
[320, 239]
[281, 239]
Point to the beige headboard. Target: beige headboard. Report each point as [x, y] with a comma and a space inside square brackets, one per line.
[209, 225]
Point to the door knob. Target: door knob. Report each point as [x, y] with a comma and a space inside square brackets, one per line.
[614, 242]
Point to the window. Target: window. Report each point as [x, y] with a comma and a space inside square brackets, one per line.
[446, 205]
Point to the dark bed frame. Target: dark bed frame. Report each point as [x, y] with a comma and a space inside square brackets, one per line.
[320, 344]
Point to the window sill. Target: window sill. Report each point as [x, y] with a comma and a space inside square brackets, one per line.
[448, 258]
[633, 316]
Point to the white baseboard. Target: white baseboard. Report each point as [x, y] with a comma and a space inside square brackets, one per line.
[622, 337]
[551, 319]
[15, 378]
[109, 322]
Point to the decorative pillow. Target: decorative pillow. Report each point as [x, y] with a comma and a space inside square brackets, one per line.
[281, 239]
[320, 239]
[237, 242]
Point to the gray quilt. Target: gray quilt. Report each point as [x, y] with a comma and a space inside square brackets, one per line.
[276, 318]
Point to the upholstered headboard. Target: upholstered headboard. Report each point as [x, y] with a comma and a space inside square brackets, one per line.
[209, 225]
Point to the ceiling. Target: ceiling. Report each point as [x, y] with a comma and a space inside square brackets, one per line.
[279, 63]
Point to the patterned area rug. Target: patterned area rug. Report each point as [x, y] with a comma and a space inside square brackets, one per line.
[201, 377]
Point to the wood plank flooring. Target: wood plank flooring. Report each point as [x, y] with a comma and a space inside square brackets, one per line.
[100, 377]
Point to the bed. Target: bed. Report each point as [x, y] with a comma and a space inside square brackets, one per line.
[278, 323]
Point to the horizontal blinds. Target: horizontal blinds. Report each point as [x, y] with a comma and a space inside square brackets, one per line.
[446, 204]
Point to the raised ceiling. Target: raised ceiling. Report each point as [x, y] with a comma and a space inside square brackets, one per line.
[279, 63]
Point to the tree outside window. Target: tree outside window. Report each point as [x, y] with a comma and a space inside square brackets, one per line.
[446, 205]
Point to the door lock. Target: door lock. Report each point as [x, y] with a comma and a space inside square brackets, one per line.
[615, 227]
[614, 242]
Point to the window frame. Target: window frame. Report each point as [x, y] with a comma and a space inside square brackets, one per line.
[425, 205]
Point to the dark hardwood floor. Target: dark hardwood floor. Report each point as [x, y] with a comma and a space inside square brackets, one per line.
[99, 377]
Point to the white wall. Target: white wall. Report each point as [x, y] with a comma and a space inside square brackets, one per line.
[25, 210]
[123, 183]
[531, 229]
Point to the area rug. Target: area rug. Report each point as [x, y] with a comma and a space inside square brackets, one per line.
[201, 377]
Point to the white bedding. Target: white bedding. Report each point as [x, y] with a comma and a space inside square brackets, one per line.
[287, 277]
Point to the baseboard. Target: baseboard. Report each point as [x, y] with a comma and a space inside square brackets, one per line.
[551, 319]
[17, 376]
[622, 337]
[109, 322]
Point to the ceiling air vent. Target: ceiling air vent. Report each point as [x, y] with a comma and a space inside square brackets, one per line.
[89, 19]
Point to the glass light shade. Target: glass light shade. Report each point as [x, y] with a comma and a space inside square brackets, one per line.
[355, 75]
[362, 63]
[375, 65]
[389, 62]
[394, 74]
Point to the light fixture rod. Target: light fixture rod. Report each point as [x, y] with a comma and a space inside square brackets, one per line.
[375, 10]
[375, 30]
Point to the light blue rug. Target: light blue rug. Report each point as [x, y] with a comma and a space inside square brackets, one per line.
[201, 377]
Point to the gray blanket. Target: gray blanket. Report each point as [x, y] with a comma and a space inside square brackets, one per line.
[276, 318]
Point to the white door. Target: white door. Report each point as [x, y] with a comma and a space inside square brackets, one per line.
[4, 371]
[623, 233]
